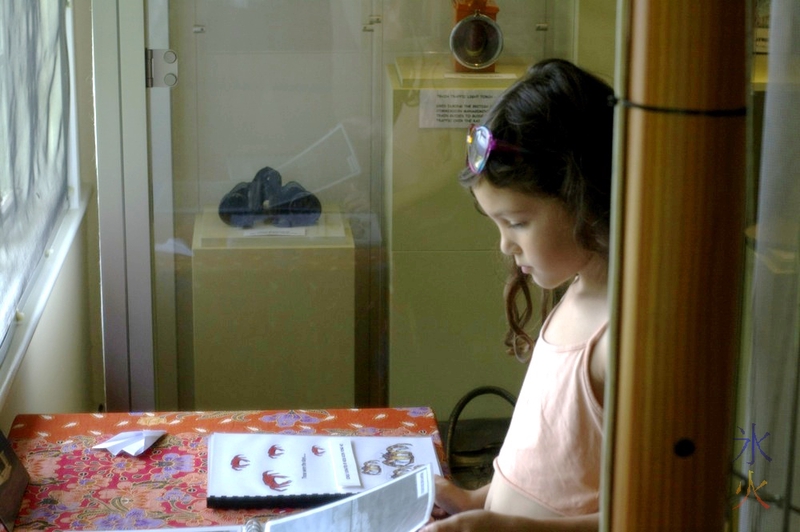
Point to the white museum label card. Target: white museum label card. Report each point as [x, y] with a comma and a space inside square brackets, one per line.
[454, 108]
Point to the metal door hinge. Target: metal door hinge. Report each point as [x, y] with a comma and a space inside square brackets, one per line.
[160, 68]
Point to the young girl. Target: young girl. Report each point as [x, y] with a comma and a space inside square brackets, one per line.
[540, 169]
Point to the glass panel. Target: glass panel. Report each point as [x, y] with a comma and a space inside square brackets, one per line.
[271, 117]
[764, 492]
[445, 311]
[389, 293]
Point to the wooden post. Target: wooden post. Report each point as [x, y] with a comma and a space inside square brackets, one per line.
[681, 266]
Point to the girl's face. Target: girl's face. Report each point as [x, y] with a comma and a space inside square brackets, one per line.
[536, 231]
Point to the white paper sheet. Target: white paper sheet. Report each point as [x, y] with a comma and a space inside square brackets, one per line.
[133, 443]
[400, 505]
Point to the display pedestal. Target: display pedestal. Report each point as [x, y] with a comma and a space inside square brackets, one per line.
[273, 316]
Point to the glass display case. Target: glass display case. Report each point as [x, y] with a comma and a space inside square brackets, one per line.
[365, 105]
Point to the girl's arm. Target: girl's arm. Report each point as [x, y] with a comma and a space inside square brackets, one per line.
[450, 499]
[483, 520]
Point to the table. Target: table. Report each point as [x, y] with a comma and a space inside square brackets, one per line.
[75, 487]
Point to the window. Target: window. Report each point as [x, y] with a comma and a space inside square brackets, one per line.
[34, 110]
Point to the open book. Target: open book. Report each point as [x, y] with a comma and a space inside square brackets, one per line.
[290, 470]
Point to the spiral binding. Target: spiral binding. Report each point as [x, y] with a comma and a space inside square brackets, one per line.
[253, 525]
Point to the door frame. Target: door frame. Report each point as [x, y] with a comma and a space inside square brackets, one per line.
[123, 195]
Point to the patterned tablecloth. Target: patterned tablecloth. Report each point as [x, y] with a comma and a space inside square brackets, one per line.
[75, 487]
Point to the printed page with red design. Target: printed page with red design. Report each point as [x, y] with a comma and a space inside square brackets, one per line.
[301, 471]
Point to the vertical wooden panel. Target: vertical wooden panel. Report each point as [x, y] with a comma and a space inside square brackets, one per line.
[682, 258]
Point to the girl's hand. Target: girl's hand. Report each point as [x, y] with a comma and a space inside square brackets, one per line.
[472, 521]
[486, 521]
[450, 499]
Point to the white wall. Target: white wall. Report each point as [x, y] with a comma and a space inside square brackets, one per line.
[88, 174]
[595, 37]
[55, 375]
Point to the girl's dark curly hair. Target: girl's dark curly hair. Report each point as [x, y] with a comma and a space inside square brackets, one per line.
[563, 117]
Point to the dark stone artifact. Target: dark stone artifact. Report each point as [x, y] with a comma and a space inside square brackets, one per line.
[266, 199]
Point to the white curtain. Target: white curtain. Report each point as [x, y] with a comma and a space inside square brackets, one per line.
[34, 104]
[769, 438]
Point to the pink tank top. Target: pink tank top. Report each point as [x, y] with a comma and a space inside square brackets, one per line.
[552, 452]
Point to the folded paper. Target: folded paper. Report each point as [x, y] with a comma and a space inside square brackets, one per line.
[133, 443]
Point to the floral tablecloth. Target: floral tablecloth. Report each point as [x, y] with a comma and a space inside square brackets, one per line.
[75, 487]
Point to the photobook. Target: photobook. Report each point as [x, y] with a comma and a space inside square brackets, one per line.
[262, 470]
